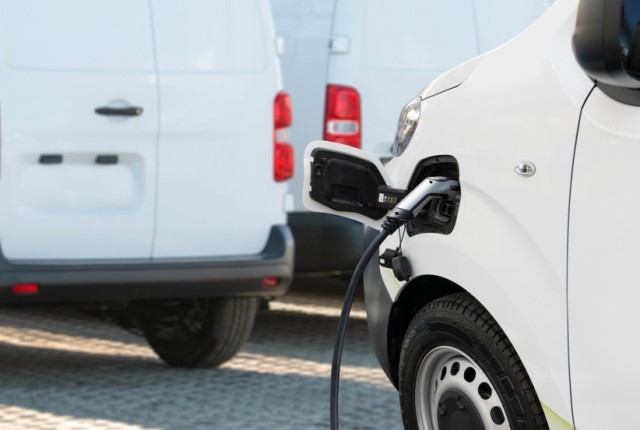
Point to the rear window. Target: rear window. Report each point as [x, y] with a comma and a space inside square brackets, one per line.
[210, 36]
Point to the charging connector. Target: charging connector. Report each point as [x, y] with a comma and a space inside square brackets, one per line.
[429, 189]
[405, 211]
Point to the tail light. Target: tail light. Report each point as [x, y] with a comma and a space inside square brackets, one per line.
[342, 115]
[282, 150]
[25, 289]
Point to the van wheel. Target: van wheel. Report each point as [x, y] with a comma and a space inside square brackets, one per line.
[458, 371]
[203, 332]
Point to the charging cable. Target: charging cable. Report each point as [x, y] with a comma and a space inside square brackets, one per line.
[429, 189]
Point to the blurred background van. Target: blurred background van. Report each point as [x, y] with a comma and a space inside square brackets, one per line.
[144, 164]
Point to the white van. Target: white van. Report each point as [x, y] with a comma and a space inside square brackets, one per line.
[350, 66]
[523, 313]
[141, 165]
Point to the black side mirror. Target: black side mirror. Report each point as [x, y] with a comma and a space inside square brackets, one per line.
[606, 43]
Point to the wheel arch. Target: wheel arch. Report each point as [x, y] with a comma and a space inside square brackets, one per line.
[423, 290]
[413, 297]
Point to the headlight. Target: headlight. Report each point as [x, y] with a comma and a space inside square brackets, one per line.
[407, 124]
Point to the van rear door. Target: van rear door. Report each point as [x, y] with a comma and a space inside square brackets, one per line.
[79, 129]
[218, 78]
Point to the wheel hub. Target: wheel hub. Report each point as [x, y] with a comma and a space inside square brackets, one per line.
[452, 392]
[457, 412]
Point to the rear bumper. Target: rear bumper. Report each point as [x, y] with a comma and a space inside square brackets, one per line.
[325, 243]
[109, 281]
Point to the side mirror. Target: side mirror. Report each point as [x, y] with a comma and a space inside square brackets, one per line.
[606, 43]
[348, 182]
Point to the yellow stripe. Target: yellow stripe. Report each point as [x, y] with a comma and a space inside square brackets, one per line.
[554, 420]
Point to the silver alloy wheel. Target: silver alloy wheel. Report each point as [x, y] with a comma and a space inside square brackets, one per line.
[449, 384]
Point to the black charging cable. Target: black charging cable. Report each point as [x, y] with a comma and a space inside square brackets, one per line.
[344, 317]
[405, 211]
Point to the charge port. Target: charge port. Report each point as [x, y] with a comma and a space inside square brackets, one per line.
[438, 216]
[445, 211]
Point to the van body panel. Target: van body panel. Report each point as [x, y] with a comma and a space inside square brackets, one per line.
[603, 277]
[59, 201]
[451, 79]
[509, 245]
[551, 255]
[56, 45]
[215, 147]
[198, 154]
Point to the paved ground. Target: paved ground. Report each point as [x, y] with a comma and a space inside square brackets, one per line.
[62, 369]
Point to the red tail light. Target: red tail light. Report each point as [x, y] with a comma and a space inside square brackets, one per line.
[25, 289]
[271, 281]
[282, 151]
[342, 115]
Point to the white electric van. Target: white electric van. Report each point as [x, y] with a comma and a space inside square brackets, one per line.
[142, 165]
[515, 307]
[350, 66]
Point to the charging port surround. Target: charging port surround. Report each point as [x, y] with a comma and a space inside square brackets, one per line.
[438, 216]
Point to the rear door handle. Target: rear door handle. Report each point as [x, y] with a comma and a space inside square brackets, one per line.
[119, 111]
[50, 159]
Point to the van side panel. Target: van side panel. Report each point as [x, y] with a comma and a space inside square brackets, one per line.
[603, 272]
[60, 200]
[218, 77]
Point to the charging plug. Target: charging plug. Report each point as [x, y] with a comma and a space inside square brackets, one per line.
[430, 188]
[405, 211]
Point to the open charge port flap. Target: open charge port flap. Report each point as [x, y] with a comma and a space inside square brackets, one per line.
[346, 183]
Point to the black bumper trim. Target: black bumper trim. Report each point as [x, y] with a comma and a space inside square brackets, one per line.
[378, 305]
[325, 243]
[112, 280]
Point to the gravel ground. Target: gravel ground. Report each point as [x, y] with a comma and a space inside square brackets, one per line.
[64, 369]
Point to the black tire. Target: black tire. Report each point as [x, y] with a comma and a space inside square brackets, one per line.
[202, 332]
[455, 358]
